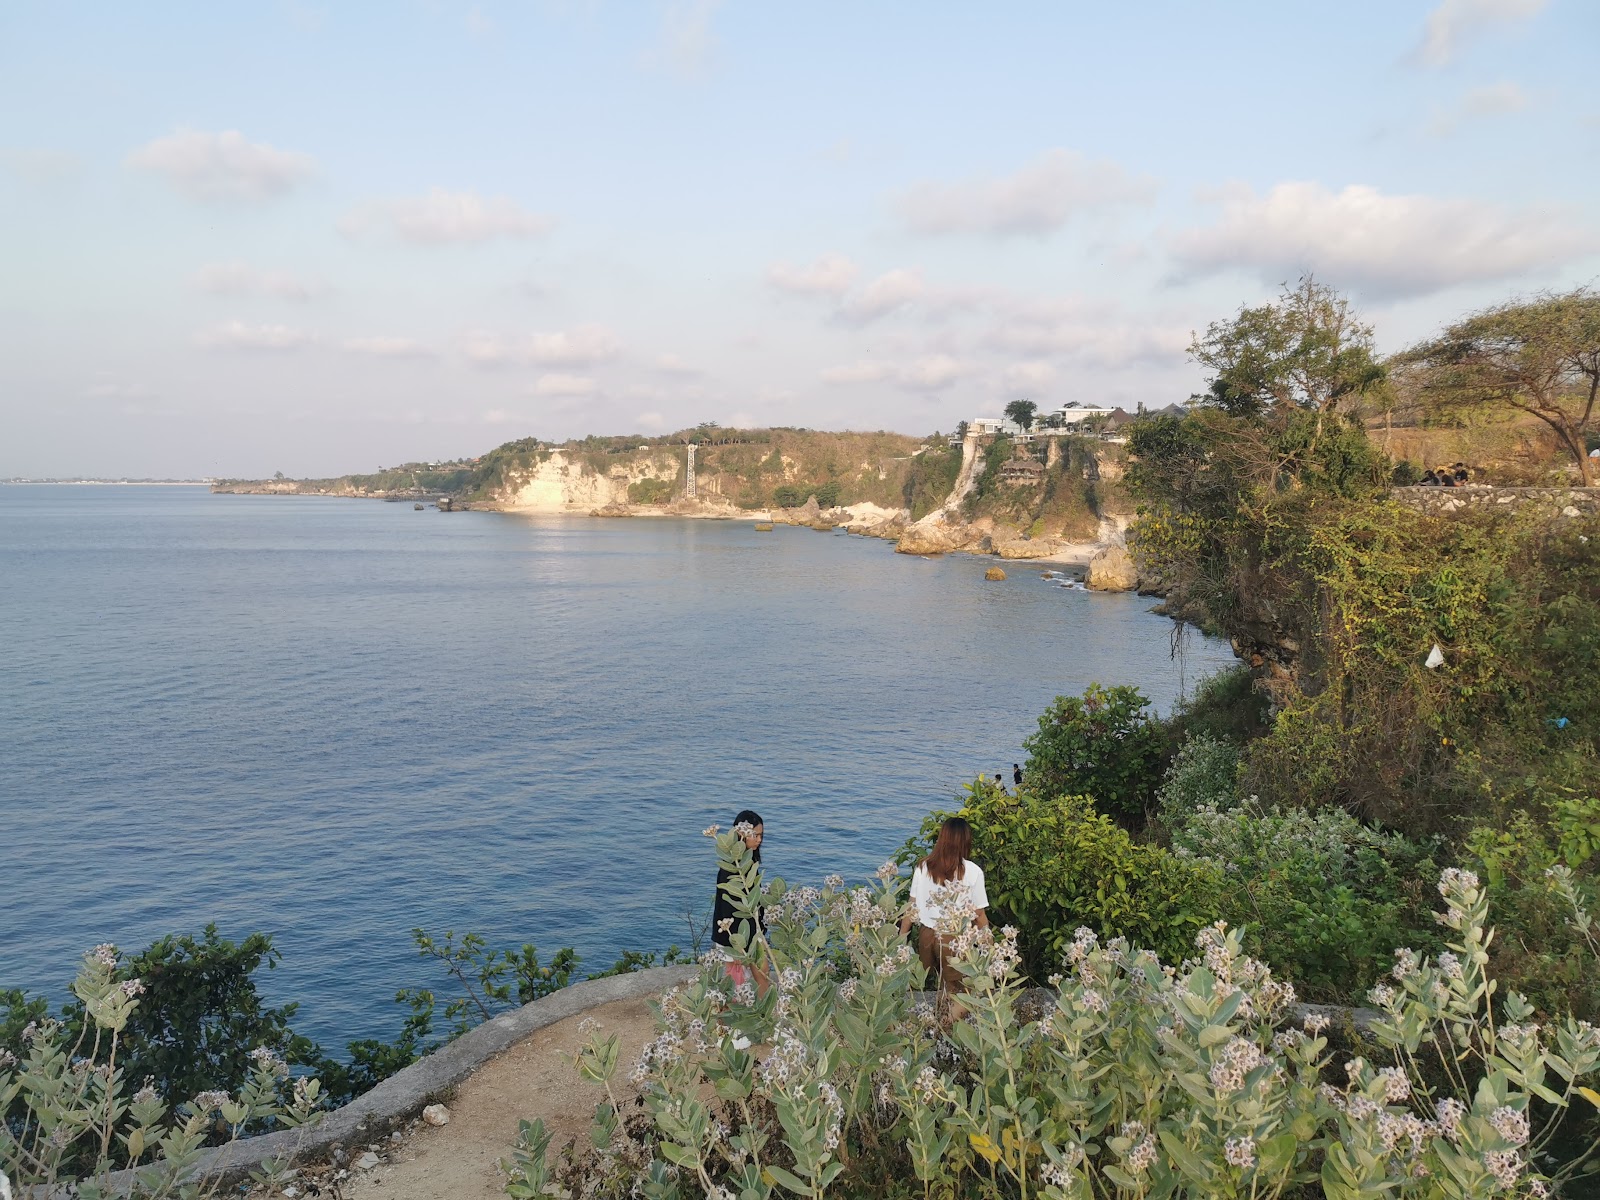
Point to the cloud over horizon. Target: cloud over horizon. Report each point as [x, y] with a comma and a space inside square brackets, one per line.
[1386, 246]
[1455, 22]
[1036, 200]
[440, 217]
[236, 278]
[222, 166]
[236, 335]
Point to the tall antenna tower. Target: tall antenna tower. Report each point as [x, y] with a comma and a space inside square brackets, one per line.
[689, 489]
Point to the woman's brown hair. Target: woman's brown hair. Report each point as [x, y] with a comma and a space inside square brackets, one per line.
[954, 845]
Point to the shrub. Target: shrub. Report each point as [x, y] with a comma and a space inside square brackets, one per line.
[1135, 1079]
[1204, 774]
[1053, 866]
[651, 491]
[1226, 706]
[1103, 745]
[69, 1121]
[1322, 897]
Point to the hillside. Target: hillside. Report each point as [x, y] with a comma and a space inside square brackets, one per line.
[975, 495]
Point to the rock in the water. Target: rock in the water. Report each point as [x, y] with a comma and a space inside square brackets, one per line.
[994, 573]
[1112, 570]
[367, 1161]
[1025, 547]
[436, 1114]
[763, 526]
[932, 537]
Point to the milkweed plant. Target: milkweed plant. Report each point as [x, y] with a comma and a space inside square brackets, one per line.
[69, 1125]
[1126, 1078]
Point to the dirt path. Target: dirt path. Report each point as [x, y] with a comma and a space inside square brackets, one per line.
[534, 1078]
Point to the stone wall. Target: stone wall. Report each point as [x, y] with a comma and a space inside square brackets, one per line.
[1476, 496]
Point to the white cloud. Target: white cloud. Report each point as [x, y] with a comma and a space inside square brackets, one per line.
[241, 279]
[556, 384]
[442, 216]
[387, 347]
[864, 372]
[687, 44]
[1454, 22]
[485, 349]
[1087, 338]
[1493, 100]
[1021, 377]
[1038, 199]
[1385, 246]
[236, 335]
[830, 275]
[582, 346]
[929, 373]
[652, 420]
[110, 390]
[671, 364]
[479, 23]
[888, 292]
[222, 166]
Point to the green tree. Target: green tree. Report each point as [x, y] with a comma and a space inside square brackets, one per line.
[1021, 412]
[1539, 356]
[1308, 350]
[1103, 744]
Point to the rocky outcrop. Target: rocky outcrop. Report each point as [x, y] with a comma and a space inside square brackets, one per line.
[1112, 570]
[994, 575]
[1022, 547]
[930, 536]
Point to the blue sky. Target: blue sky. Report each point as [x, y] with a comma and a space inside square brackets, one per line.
[312, 238]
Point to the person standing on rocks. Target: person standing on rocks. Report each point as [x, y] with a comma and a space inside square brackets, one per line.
[1016, 774]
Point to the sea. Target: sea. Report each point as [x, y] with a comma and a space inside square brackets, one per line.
[335, 720]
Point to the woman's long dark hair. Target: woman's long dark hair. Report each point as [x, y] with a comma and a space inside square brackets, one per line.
[954, 845]
[750, 817]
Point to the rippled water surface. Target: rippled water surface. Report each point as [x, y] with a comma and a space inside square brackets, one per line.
[333, 720]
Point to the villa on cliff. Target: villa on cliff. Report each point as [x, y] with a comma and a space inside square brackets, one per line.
[1069, 418]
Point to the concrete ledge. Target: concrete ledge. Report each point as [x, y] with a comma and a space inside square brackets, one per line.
[405, 1093]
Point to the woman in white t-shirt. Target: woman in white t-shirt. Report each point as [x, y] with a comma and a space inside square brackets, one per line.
[943, 883]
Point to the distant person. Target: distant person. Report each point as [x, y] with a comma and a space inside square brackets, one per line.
[1000, 784]
[1429, 479]
[725, 923]
[1460, 473]
[947, 877]
[1016, 774]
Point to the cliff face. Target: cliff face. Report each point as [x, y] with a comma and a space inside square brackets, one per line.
[562, 484]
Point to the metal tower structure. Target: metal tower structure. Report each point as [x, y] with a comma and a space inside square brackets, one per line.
[689, 488]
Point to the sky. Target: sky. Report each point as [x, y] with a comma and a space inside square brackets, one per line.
[317, 238]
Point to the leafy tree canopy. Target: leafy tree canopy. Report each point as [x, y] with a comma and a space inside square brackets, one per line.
[1538, 356]
[1307, 350]
[1021, 412]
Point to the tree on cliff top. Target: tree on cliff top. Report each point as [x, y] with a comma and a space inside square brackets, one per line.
[1021, 412]
[1307, 350]
[1539, 356]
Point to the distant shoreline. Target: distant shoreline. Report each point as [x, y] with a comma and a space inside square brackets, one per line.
[106, 482]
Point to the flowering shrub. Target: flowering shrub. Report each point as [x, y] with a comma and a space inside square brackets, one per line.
[1135, 1079]
[1324, 897]
[1203, 774]
[70, 1122]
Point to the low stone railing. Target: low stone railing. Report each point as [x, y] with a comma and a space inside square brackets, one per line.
[404, 1094]
[1481, 496]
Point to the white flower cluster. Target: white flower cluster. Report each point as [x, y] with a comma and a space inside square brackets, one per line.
[1240, 1152]
[1238, 1058]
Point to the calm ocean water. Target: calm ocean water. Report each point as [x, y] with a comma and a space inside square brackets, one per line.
[333, 720]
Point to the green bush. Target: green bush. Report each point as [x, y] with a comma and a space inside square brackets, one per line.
[1054, 865]
[651, 491]
[1227, 706]
[1103, 744]
[1204, 774]
[1321, 896]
